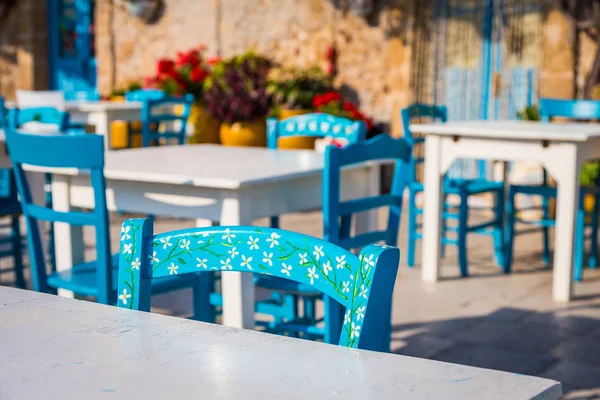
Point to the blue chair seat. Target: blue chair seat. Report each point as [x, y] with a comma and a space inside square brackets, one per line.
[472, 186]
[81, 279]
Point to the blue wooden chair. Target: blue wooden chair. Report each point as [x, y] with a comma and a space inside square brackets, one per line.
[47, 116]
[337, 217]
[314, 125]
[461, 187]
[156, 123]
[550, 108]
[94, 278]
[363, 286]
[11, 244]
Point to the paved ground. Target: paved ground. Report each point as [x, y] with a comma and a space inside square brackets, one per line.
[489, 320]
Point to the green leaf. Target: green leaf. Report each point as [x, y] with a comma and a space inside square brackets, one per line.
[129, 285]
[261, 266]
[181, 261]
[258, 231]
[154, 244]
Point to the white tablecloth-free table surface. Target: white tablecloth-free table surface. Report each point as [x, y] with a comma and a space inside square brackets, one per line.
[560, 148]
[53, 347]
[230, 185]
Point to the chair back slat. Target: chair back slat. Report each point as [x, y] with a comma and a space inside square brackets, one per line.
[156, 118]
[72, 217]
[328, 268]
[574, 109]
[315, 125]
[380, 148]
[41, 98]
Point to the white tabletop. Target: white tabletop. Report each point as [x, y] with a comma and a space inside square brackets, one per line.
[208, 165]
[102, 105]
[53, 347]
[569, 132]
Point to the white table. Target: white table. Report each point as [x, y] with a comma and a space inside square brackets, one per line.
[232, 185]
[53, 347]
[560, 148]
[102, 113]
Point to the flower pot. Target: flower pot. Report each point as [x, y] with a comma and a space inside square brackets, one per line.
[295, 142]
[143, 9]
[205, 128]
[246, 133]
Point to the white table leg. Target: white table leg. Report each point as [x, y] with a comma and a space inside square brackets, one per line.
[566, 174]
[237, 287]
[68, 239]
[102, 120]
[432, 213]
[369, 221]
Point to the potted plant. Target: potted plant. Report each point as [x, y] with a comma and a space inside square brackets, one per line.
[236, 95]
[291, 91]
[333, 104]
[187, 73]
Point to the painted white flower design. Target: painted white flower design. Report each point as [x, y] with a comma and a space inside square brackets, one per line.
[341, 262]
[225, 264]
[165, 242]
[127, 248]
[327, 267]
[347, 317]
[173, 269]
[351, 277]
[267, 258]
[153, 258]
[253, 243]
[360, 313]
[185, 244]
[354, 331]
[312, 274]
[205, 234]
[303, 258]
[233, 252]
[228, 235]
[273, 239]
[286, 269]
[346, 287]
[201, 263]
[363, 291]
[246, 262]
[200, 241]
[124, 296]
[368, 261]
[136, 264]
[125, 233]
[318, 252]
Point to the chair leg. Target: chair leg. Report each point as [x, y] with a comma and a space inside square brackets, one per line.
[444, 230]
[579, 250]
[204, 285]
[412, 228]
[546, 231]
[274, 223]
[510, 232]
[463, 220]
[334, 316]
[593, 258]
[499, 228]
[17, 249]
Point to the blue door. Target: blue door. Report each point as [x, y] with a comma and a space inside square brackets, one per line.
[72, 50]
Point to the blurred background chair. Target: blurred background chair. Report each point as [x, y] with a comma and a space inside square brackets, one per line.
[549, 109]
[467, 178]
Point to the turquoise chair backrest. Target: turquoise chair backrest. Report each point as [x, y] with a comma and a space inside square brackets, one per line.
[361, 284]
[158, 109]
[3, 114]
[316, 125]
[575, 109]
[84, 152]
[377, 149]
[43, 115]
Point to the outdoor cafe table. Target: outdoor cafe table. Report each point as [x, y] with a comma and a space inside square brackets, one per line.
[57, 348]
[230, 185]
[560, 148]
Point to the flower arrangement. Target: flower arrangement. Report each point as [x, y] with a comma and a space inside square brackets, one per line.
[294, 89]
[236, 91]
[332, 103]
[186, 73]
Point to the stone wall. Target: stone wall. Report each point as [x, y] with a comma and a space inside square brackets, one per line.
[374, 56]
[24, 48]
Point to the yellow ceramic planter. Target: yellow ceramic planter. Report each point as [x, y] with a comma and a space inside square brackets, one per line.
[206, 128]
[247, 133]
[295, 142]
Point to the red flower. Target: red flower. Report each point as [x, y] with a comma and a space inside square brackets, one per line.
[213, 60]
[369, 123]
[165, 66]
[332, 96]
[198, 75]
[318, 101]
[191, 57]
[348, 106]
